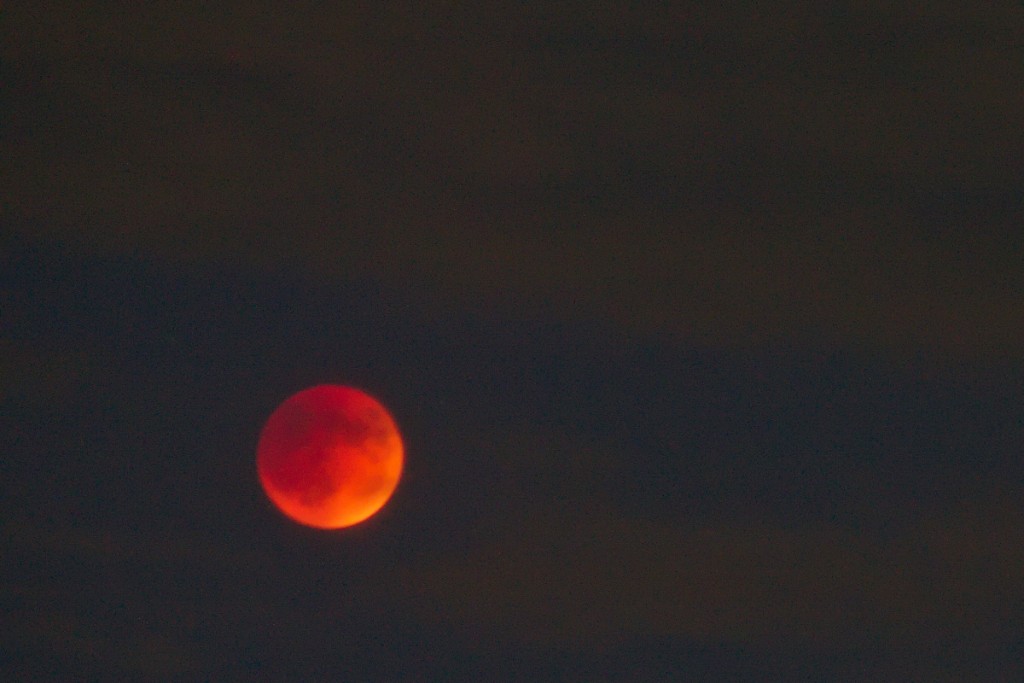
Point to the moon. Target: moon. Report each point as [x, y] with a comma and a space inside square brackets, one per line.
[330, 456]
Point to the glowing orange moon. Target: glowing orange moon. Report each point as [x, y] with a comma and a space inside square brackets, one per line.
[330, 456]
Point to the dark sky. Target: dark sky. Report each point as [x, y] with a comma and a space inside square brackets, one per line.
[702, 324]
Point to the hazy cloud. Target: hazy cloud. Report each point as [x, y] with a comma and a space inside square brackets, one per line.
[792, 172]
[586, 578]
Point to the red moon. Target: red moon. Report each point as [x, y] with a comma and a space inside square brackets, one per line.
[329, 457]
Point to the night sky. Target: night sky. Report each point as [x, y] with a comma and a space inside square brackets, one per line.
[702, 323]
